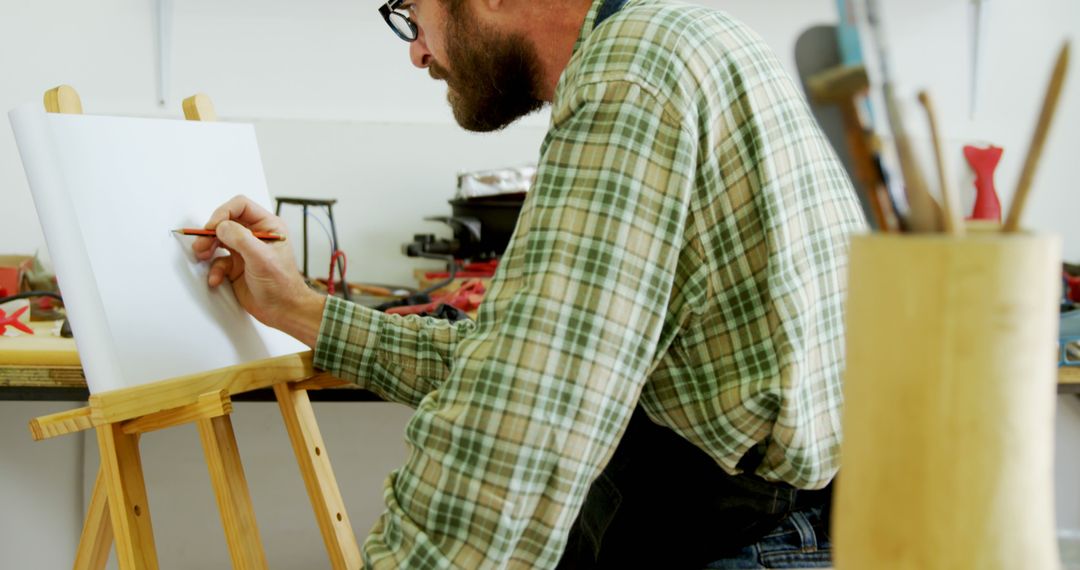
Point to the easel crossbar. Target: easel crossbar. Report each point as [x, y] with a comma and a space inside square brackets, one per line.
[167, 396]
[128, 403]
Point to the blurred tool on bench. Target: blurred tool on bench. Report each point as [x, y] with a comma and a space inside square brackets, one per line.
[845, 87]
[336, 255]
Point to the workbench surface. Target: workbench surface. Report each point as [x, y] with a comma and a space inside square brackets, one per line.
[46, 367]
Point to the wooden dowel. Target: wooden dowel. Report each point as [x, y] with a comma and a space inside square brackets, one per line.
[233, 497]
[924, 215]
[954, 223]
[1042, 129]
[129, 508]
[96, 540]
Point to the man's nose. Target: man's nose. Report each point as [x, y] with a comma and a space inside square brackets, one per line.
[418, 52]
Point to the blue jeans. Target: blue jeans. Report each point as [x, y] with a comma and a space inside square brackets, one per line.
[801, 541]
[663, 503]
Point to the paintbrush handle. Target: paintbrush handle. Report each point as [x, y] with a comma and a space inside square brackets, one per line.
[924, 215]
[954, 223]
[1042, 129]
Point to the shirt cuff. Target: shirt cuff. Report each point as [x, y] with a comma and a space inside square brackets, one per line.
[347, 338]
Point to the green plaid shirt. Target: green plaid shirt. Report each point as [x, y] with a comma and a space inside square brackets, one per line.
[684, 247]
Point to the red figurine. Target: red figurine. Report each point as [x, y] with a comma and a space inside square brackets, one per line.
[14, 321]
[1073, 287]
[984, 162]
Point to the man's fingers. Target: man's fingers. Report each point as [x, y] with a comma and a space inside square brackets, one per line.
[248, 213]
[204, 247]
[241, 241]
[220, 268]
[244, 211]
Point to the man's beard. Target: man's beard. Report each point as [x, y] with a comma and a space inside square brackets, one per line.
[495, 76]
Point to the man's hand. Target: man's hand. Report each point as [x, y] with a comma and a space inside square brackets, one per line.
[264, 276]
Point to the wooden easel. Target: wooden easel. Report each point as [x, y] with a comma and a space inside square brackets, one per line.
[118, 507]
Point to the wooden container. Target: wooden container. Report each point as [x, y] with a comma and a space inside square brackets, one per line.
[947, 459]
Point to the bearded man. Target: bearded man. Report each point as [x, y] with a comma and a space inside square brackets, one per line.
[653, 380]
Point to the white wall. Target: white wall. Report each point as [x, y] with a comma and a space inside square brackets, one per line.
[340, 113]
[1067, 466]
[40, 490]
[386, 176]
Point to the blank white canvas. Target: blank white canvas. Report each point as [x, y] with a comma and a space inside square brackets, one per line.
[108, 192]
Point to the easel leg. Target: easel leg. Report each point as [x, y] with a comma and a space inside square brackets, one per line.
[230, 486]
[319, 478]
[128, 507]
[97, 533]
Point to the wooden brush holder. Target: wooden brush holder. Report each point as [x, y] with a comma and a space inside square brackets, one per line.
[947, 458]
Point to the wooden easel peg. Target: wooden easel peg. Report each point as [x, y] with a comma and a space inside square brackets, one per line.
[199, 108]
[63, 99]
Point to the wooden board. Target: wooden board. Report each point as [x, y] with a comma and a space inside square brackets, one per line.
[43, 348]
[42, 377]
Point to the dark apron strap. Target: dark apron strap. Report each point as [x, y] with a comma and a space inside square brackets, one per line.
[607, 9]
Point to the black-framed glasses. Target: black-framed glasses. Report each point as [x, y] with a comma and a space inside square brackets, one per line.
[398, 20]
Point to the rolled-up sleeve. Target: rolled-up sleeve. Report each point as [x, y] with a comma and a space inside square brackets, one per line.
[400, 358]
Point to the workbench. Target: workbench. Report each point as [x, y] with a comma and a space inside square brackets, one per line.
[46, 367]
[1069, 380]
